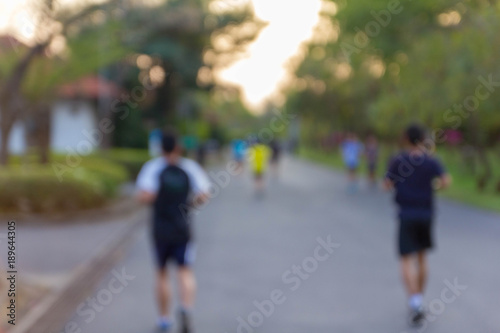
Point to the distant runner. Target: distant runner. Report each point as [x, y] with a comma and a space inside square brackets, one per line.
[275, 155]
[170, 184]
[351, 153]
[259, 159]
[371, 153]
[239, 149]
[414, 175]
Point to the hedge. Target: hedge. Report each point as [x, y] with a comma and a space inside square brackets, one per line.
[59, 186]
[131, 159]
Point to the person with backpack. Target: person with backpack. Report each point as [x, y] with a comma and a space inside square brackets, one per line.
[172, 184]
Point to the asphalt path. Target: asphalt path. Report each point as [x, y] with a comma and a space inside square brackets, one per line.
[309, 257]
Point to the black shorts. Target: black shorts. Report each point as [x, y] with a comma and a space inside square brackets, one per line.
[182, 254]
[414, 236]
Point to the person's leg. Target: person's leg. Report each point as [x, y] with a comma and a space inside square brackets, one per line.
[259, 182]
[422, 272]
[239, 166]
[372, 174]
[163, 292]
[352, 177]
[352, 174]
[409, 256]
[274, 167]
[408, 274]
[187, 287]
[412, 285]
[162, 286]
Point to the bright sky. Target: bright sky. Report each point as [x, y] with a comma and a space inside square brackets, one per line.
[290, 22]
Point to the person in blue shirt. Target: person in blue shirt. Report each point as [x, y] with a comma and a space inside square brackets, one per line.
[352, 149]
[414, 175]
[239, 148]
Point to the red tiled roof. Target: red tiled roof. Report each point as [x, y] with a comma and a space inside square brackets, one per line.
[90, 87]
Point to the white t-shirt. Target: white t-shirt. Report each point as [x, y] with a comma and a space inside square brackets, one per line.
[148, 179]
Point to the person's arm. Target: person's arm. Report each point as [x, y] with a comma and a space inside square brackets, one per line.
[443, 179]
[390, 176]
[388, 184]
[442, 182]
[147, 184]
[200, 184]
[146, 197]
[200, 199]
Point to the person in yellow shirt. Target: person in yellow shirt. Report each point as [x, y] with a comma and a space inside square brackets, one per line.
[259, 159]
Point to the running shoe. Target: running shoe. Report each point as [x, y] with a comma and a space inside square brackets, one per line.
[417, 317]
[186, 326]
[164, 325]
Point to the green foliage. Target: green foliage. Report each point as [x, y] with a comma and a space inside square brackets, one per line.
[425, 58]
[178, 36]
[130, 132]
[86, 53]
[110, 175]
[31, 188]
[131, 159]
[38, 190]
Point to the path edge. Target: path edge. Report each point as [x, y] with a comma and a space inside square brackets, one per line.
[58, 306]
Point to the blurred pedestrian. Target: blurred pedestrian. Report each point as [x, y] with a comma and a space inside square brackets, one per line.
[201, 154]
[171, 184]
[239, 147]
[259, 159]
[414, 175]
[371, 154]
[275, 155]
[351, 154]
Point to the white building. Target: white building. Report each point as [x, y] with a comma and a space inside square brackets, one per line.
[73, 116]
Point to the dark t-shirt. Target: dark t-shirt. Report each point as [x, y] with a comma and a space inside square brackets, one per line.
[413, 176]
[170, 222]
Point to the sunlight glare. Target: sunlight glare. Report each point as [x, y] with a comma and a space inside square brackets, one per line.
[265, 69]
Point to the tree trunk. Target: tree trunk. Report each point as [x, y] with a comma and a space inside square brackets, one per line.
[10, 98]
[469, 158]
[43, 121]
[479, 144]
[485, 177]
[4, 148]
[5, 129]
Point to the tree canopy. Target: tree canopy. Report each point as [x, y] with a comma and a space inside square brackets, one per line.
[391, 62]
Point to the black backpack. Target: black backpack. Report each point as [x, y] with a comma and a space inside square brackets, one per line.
[171, 221]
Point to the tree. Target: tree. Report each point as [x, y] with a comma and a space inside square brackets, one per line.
[175, 36]
[395, 63]
[53, 21]
[188, 40]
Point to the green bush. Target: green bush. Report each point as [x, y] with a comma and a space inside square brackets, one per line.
[131, 159]
[40, 189]
[110, 175]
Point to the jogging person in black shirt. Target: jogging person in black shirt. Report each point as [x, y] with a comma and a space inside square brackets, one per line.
[171, 184]
[415, 174]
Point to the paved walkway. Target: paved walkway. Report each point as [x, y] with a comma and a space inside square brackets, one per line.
[247, 250]
[47, 255]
